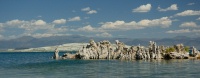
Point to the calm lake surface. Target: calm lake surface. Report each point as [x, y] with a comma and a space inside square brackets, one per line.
[40, 65]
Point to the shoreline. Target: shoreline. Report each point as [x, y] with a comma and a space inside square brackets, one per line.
[61, 52]
[63, 47]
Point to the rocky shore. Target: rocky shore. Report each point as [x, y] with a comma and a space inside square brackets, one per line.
[105, 50]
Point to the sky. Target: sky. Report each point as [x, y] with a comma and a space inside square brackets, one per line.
[99, 18]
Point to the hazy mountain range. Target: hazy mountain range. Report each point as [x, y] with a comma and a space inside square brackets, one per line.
[31, 42]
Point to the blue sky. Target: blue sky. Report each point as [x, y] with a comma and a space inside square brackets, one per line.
[99, 18]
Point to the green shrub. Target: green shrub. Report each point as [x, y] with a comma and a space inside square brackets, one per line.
[170, 49]
[187, 48]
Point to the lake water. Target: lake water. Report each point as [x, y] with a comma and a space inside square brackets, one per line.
[40, 65]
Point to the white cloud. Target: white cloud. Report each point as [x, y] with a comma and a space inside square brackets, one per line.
[104, 34]
[27, 25]
[188, 13]
[190, 3]
[77, 18]
[85, 9]
[39, 22]
[88, 10]
[121, 25]
[198, 18]
[188, 24]
[14, 22]
[163, 22]
[92, 12]
[61, 29]
[143, 8]
[59, 21]
[39, 35]
[172, 7]
[57, 30]
[179, 31]
[28, 28]
[36, 25]
[112, 25]
[87, 28]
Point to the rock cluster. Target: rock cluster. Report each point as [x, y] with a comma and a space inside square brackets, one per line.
[100, 50]
[194, 52]
[56, 54]
[106, 50]
[179, 53]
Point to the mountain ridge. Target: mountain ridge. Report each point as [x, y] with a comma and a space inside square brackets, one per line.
[31, 42]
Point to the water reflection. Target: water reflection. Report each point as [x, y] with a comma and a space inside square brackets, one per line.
[40, 66]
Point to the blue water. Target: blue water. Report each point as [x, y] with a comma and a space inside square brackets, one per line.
[40, 65]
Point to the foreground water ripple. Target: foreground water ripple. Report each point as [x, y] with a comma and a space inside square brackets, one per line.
[40, 65]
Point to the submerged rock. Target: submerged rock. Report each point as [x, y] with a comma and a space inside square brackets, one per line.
[56, 54]
[194, 52]
[69, 56]
[176, 55]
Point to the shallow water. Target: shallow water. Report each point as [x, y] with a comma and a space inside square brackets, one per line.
[40, 65]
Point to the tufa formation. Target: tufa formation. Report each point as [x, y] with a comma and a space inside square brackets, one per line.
[106, 50]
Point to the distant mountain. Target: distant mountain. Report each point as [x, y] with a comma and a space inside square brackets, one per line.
[187, 41]
[31, 42]
[168, 41]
